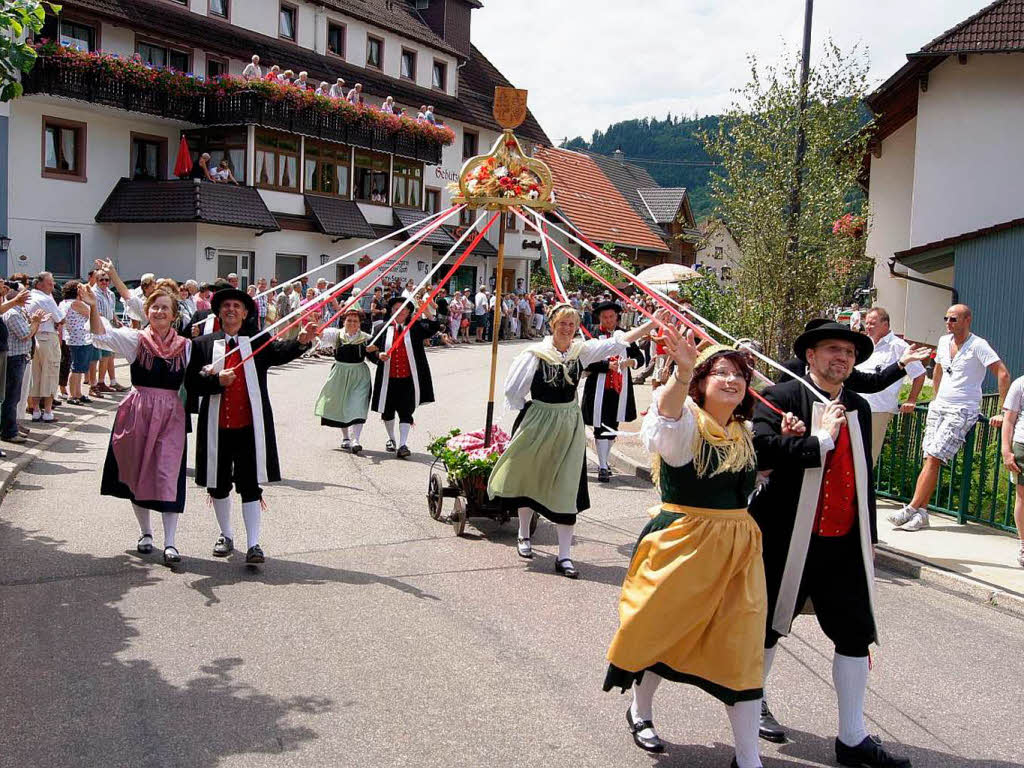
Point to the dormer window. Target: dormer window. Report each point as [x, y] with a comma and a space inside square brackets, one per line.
[439, 79]
[408, 65]
[374, 52]
[336, 39]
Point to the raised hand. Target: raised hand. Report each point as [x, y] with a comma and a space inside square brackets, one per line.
[833, 418]
[681, 348]
[309, 332]
[21, 298]
[918, 353]
[792, 426]
[86, 295]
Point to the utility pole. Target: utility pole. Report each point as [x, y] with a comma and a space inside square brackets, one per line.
[793, 242]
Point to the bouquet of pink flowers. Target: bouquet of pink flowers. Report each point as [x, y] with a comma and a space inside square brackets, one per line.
[464, 454]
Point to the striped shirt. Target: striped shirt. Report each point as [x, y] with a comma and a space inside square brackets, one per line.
[105, 303]
[19, 341]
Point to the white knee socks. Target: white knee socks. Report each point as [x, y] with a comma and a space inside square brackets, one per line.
[357, 430]
[403, 432]
[604, 448]
[643, 696]
[390, 427]
[745, 716]
[525, 517]
[769, 657]
[564, 540]
[142, 515]
[850, 675]
[222, 508]
[344, 432]
[252, 514]
[170, 520]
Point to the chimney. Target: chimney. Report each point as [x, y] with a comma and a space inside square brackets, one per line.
[619, 155]
[450, 20]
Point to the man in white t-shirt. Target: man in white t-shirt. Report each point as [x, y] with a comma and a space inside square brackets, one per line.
[1013, 454]
[961, 362]
[889, 348]
[480, 307]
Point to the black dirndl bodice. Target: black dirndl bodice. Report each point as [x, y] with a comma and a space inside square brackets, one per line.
[160, 376]
[549, 383]
[350, 353]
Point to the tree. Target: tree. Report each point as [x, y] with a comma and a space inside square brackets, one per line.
[777, 292]
[576, 278]
[17, 18]
[711, 300]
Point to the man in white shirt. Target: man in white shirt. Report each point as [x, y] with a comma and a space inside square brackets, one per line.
[338, 89]
[889, 348]
[961, 362]
[252, 71]
[1013, 454]
[856, 323]
[480, 306]
[46, 358]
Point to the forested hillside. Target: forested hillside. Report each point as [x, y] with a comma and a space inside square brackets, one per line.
[664, 148]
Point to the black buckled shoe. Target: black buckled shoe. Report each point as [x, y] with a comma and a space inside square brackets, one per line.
[868, 754]
[524, 548]
[390, 446]
[769, 728]
[223, 547]
[646, 743]
[566, 568]
[356, 448]
[145, 544]
[603, 474]
[404, 452]
[171, 556]
[254, 556]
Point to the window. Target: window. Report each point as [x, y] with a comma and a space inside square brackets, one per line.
[63, 149]
[470, 141]
[510, 221]
[215, 67]
[440, 76]
[219, 8]
[719, 252]
[63, 251]
[327, 168]
[239, 262]
[371, 176]
[343, 272]
[160, 56]
[408, 65]
[222, 144]
[277, 161]
[74, 34]
[432, 200]
[336, 39]
[374, 52]
[148, 157]
[286, 22]
[287, 266]
[406, 183]
[466, 217]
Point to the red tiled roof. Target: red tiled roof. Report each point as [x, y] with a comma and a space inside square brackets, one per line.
[591, 201]
[996, 28]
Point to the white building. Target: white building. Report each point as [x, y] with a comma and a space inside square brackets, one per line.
[718, 250]
[947, 180]
[90, 163]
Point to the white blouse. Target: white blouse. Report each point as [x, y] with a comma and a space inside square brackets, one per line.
[672, 439]
[520, 375]
[125, 342]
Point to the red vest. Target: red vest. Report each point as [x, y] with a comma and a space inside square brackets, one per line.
[837, 501]
[235, 408]
[400, 361]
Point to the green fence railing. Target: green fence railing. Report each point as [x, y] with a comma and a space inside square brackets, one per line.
[973, 486]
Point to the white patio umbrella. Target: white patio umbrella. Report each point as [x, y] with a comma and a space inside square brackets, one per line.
[667, 275]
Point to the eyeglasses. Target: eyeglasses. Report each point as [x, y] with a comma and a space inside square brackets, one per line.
[949, 319]
[723, 375]
[104, 280]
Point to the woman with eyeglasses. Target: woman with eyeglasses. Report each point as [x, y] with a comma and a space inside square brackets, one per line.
[693, 606]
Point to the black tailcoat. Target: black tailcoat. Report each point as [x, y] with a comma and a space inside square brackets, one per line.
[595, 384]
[420, 331]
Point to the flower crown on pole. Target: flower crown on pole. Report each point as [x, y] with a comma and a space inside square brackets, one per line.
[503, 178]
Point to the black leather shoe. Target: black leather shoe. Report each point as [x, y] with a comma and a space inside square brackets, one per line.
[356, 448]
[566, 568]
[524, 548]
[145, 545]
[652, 744]
[868, 754]
[254, 555]
[171, 556]
[603, 475]
[769, 728]
[223, 547]
[404, 452]
[389, 446]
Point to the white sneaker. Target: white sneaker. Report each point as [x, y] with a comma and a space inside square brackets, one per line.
[1020, 555]
[902, 516]
[48, 416]
[917, 523]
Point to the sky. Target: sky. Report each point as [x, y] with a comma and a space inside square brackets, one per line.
[590, 63]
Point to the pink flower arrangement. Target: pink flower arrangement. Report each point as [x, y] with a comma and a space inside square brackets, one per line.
[473, 443]
[849, 225]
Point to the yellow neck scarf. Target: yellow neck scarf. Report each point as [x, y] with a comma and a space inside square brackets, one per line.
[728, 449]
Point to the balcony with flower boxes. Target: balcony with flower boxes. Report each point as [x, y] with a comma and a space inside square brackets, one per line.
[126, 84]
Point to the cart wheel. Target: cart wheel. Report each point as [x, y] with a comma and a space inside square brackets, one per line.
[435, 497]
[533, 524]
[458, 517]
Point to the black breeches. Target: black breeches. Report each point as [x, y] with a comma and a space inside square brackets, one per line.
[401, 399]
[236, 465]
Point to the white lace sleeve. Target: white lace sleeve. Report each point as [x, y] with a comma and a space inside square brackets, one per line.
[120, 341]
[672, 439]
[601, 349]
[518, 381]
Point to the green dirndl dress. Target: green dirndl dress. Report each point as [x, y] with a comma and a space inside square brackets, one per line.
[345, 397]
[544, 467]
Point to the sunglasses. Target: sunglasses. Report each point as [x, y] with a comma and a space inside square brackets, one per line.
[103, 280]
[949, 319]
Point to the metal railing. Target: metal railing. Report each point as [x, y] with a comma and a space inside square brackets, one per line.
[974, 486]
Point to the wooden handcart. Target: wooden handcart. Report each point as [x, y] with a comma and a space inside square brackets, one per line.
[471, 500]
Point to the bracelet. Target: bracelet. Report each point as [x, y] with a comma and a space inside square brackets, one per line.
[685, 382]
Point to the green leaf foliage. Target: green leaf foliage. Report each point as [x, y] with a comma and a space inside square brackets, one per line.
[19, 18]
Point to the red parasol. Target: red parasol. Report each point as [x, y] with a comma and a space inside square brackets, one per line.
[183, 165]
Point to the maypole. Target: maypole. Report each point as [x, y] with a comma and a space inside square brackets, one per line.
[502, 179]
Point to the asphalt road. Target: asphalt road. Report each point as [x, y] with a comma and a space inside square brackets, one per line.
[374, 637]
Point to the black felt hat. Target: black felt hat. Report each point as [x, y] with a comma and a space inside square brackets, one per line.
[831, 330]
[599, 308]
[394, 301]
[222, 295]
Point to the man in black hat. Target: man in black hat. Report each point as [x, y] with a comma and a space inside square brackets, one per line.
[817, 518]
[402, 381]
[235, 441]
[205, 320]
[608, 392]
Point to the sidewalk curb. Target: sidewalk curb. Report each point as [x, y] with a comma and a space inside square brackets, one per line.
[11, 468]
[889, 559]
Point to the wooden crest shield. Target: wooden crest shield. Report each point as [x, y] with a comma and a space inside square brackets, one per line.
[509, 106]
